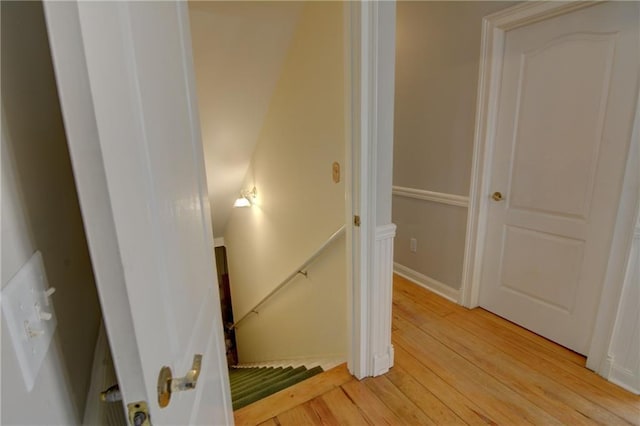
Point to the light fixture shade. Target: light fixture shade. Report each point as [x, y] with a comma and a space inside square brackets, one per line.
[242, 202]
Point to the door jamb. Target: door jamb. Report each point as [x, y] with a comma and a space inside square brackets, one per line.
[367, 23]
[353, 247]
[598, 358]
[494, 28]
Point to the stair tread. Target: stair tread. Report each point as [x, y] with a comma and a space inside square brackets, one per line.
[254, 390]
[297, 394]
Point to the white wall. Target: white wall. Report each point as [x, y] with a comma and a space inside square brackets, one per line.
[299, 206]
[437, 59]
[40, 212]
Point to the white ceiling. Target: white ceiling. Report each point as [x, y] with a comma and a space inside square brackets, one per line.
[238, 50]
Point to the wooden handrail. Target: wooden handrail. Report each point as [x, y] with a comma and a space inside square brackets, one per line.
[298, 270]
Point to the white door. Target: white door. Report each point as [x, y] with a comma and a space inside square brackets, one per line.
[567, 97]
[125, 78]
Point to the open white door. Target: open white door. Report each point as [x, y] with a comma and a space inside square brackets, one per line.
[125, 78]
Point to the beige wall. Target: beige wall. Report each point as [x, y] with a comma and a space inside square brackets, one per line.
[437, 57]
[238, 51]
[299, 206]
[40, 212]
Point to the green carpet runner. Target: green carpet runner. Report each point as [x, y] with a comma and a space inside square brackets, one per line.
[251, 384]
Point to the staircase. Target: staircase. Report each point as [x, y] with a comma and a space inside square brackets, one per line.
[251, 384]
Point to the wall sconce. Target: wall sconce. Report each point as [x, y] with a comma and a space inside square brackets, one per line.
[246, 199]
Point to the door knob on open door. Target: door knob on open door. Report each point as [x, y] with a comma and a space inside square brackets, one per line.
[167, 384]
[497, 196]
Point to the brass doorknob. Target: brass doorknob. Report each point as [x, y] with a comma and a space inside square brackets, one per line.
[497, 196]
[167, 384]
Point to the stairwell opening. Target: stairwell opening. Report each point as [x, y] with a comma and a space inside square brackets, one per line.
[273, 93]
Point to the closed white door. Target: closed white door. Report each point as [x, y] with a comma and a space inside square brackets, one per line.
[567, 96]
[126, 85]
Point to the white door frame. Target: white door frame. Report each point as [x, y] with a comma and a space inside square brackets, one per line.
[370, 73]
[494, 28]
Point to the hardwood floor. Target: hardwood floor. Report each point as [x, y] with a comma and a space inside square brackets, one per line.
[455, 366]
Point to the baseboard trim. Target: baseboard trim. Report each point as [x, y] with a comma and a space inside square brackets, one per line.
[382, 363]
[625, 378]
[427, 282]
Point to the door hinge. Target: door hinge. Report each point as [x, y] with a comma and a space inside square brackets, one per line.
[356, 220]
[139, 414]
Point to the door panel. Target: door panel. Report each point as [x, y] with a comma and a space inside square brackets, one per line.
[562, 95]
[542, 266]
[126, 85]
[566, 104]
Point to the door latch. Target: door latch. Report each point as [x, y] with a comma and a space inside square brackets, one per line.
[139, 414]
[168, 385]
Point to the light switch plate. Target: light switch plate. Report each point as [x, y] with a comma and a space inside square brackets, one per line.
[25, 304]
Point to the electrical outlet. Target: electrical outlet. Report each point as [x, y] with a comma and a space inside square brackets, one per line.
[413, 245]
[29, 315]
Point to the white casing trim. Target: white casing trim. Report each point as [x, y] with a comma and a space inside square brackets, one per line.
[624, 378]
[218, 242]
[622, 365]
[427, 282]
[361, 198]
[381, 301]
[370, 351]
[436, 197]
[610, 307]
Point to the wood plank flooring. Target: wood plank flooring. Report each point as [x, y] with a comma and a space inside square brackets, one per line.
[454, 366]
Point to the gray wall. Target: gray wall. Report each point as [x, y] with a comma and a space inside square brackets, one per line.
[437, 57]
[40, 212]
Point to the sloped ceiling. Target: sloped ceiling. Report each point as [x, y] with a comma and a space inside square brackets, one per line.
[238, 50]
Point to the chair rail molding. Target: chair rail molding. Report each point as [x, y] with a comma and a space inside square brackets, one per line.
[436, 197]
